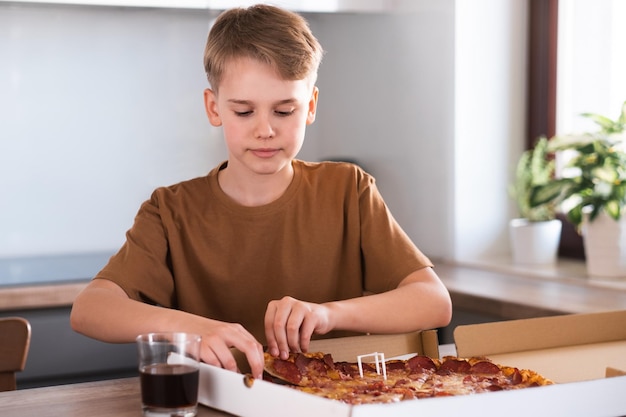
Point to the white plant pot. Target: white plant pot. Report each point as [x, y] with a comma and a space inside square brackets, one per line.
[534, 243]
[604, 240]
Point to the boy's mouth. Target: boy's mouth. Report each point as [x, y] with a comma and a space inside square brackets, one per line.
[265, 152]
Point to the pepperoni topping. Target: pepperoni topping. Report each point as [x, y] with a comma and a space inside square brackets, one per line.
[452, 365]
[421, 363]
[311, 365]
[287, 371]
[328, 360]
[516, 377]
[394, 365]
[485, 367]
[347, 368]
[368, 367]
[417, 377]
[301, 362]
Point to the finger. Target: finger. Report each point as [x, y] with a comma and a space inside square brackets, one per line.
[208, 356]
[282, 336]
[306, 331]
[270, 336]
[249, 346]
[293, 328]
[216, 352]
[254, 355]
[278, 322]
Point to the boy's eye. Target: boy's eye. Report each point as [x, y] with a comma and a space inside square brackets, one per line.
[281, 113]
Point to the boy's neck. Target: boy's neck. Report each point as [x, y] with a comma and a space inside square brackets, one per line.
[250, 189]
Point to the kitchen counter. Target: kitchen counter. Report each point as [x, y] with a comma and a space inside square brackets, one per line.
[46, 281]
[496, 290]
[39, 270]
[509, 292]
[480, 293]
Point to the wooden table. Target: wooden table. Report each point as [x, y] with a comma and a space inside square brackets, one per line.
[112, 398]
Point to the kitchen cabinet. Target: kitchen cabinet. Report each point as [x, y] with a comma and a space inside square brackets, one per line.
[41, 289]
[58, 355]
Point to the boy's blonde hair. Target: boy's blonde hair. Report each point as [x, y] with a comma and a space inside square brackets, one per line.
[269, 34]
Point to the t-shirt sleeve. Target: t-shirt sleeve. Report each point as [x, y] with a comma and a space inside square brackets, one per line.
[389, 255]
[140, 267]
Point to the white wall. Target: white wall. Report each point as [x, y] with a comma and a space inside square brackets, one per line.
[386, 99]
[97, 107]
[100, 105]
[489, 104]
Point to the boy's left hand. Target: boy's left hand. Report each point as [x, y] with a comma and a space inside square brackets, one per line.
[290, 323]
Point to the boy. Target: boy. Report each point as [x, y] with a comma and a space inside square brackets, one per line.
[266, 248]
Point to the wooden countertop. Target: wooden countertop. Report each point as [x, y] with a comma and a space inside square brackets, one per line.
[33, 282]
[32, 297]
[509, 294]
[119, 398]
[512, 293]
[115, 397]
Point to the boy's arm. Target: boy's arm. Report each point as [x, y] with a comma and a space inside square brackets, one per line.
[420, 302]
[103, 311]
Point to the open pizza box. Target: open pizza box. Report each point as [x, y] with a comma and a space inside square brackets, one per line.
[579, 352]
[228, 391]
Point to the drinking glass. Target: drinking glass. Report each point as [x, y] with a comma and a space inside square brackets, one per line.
[169, 373]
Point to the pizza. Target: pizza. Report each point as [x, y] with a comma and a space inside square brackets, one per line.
[414, 378]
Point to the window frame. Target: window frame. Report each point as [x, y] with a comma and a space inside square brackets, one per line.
[542, 96]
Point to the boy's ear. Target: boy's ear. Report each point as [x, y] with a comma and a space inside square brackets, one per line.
[210, 105]
[310, 118]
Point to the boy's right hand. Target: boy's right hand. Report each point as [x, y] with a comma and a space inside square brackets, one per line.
[104, 311]
[216, 344]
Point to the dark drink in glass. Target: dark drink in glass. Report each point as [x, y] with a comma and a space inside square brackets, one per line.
[169, 374]
[169, 386]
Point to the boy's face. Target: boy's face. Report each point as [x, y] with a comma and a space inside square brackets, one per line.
[264, 117]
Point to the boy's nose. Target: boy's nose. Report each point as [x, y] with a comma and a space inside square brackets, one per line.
[263, 128]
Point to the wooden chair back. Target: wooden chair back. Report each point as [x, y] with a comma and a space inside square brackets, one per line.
[14, 344]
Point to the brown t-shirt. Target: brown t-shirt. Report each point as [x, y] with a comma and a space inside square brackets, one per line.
[329, 237]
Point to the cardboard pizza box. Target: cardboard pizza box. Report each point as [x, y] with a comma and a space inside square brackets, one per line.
[233, 392]
[568, 348]
[347, 348]
[230, 391]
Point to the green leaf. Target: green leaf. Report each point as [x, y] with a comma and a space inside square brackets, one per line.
[594, 176]
[575, 215]
[604, 122]
[622, 117]
[613, 209]
[605, 174]
[549, 192]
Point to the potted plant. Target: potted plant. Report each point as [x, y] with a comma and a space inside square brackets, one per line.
[591, 188]
[535, 235]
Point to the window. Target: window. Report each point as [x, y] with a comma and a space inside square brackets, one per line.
[576, 64]
[591, 61]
